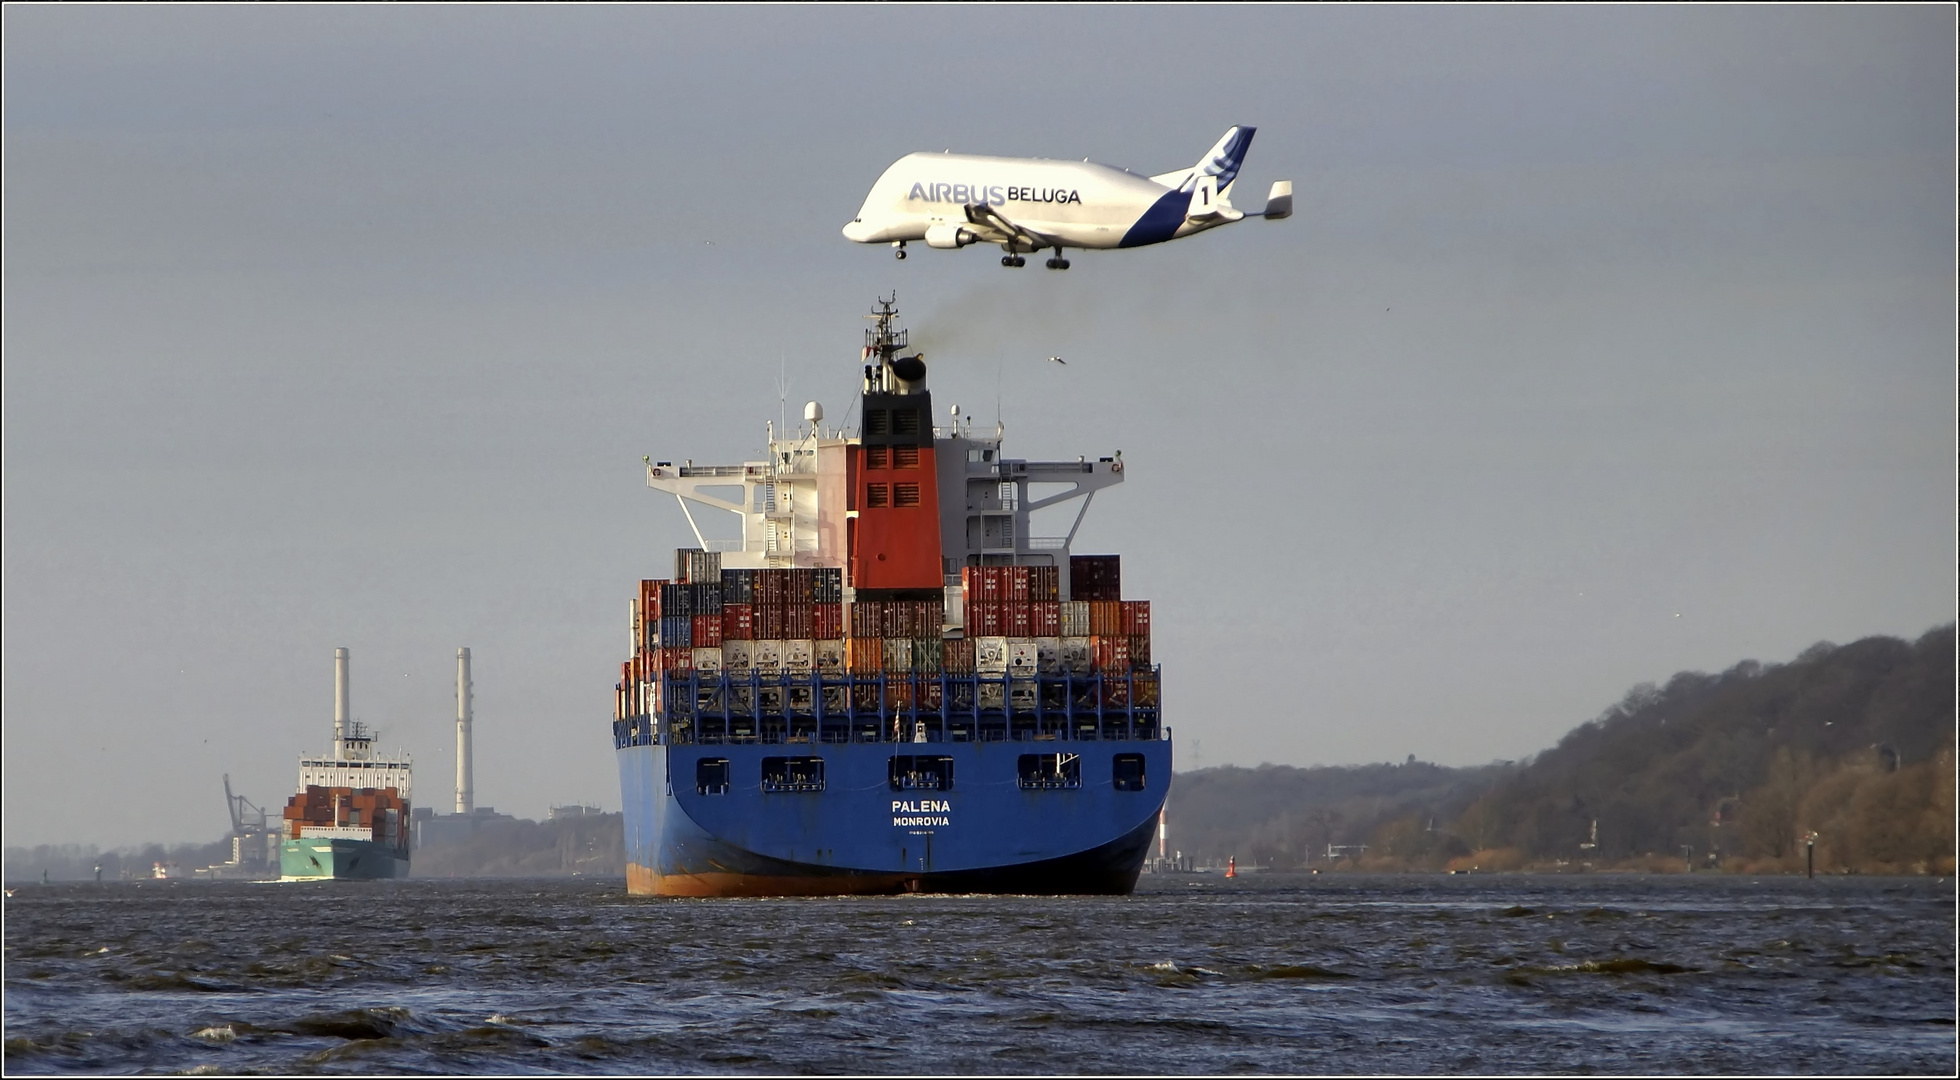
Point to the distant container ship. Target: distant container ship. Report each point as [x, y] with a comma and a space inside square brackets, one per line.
[888, 684]
[350, 817]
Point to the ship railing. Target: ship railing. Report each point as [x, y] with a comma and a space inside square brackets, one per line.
[821, 707]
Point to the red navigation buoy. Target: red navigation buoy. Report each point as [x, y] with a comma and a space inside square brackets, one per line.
[1231, 866]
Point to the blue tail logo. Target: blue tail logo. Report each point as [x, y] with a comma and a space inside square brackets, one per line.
[1224, 159]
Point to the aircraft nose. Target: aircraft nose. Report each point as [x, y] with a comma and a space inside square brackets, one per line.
[857, 230]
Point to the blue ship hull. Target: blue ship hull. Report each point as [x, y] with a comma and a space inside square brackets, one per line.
[720, 820]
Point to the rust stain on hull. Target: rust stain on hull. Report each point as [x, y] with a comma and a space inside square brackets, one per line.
[645, 881]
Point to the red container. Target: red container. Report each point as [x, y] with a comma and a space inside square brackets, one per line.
[1017, 583]
[1045, 616]
[1017, 617]
[707, 631]
[770, 585]
[957, 656]
[800, 620]
[737, 622]
[677, 659]
[829, 621]
[928, 617]
[768, 622]
[1112, 653]
[898, 620]
[801, 586]
[930, 694]
[1136, 617]
[1140, 652]
[992, 584]
[867, 619]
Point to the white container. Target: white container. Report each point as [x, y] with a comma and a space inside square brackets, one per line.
[955, 607]
[1048, 655]
[898, 654]
[737, 656]
[1021, 695]
[1023, 658]
[1078, 654]
[1075, 618]
[993, 695]
[830, 657]
[707, 661]
[990, 655]
[769, 657]
[799, 656]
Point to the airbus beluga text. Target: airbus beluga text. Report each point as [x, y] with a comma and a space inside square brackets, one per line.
[1035, 204]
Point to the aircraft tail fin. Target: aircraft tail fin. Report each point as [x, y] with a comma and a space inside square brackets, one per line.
[1222, 162]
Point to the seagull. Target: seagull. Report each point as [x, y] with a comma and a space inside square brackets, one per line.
[1058, 360]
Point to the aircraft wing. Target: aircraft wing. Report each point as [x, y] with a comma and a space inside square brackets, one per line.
[997, 229]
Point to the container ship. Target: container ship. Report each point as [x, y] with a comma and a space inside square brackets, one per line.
[887, 684]
[350, 816]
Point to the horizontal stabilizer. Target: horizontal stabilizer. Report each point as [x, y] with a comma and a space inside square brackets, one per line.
[1279, 201]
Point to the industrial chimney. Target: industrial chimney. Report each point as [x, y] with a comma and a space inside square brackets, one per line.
[465, 789]
[341, 705]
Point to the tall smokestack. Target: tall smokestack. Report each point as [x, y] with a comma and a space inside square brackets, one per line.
[341, 705]
[465, 788]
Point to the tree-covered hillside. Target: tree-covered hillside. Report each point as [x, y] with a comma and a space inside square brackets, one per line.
[1853, 743]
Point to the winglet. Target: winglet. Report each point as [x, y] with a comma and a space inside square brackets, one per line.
[1279, 201]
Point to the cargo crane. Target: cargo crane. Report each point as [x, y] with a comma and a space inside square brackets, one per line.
[248, 829]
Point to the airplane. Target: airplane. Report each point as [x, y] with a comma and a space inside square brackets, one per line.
[1033, 204]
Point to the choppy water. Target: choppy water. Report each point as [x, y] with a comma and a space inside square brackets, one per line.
[1276, 973]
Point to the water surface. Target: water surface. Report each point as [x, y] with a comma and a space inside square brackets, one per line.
[1266, 973]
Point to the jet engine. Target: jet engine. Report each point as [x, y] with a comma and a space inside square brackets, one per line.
[950, 236]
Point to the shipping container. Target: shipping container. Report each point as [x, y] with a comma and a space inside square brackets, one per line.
[768, 621]
[1136, 617]
[1044, 583]
[799, 656]
[828, 618]
[707, 661]
[1105, 618]
[676, 659]
[737, 622]
[954, 606]
[769, 656]
[706, 631]
[675, 600]
[1048, 655]
[1017, 584]
[928, 654]
[865, 655]
[993, 694]
[830, 585]
[1016, 620]
[831, 656]
[898, 655]
[990, 655]
[898, 619]
[1075, 618]
[1022, 695]
[1044, 617]
[931, 695]
[770, 586]
[1112, 653]
[1023, 660]
[737, 587]
[956, 656]
[800, 619]
[1095, 577]
[677, 632]
[738, 655]
[1140, 652]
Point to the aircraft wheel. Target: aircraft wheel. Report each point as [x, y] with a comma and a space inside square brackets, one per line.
[1053, 264]
[1007, 260]
[1061, 264]
[899, 254]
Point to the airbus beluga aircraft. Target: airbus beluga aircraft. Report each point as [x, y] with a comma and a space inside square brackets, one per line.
[1034, 204]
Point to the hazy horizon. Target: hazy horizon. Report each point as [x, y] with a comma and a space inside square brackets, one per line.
[1604, 343]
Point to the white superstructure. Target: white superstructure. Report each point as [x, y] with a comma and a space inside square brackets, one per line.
[351, 762]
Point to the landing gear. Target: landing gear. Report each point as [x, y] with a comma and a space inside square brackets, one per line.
[1013, 260]
[1058, 263]
[898, 249]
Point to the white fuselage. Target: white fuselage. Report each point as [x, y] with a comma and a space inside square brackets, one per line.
[1077, 203]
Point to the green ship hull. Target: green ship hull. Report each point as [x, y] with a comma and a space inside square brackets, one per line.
[339, 860]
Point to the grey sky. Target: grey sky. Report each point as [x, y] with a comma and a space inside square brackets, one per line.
[1605, 343]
